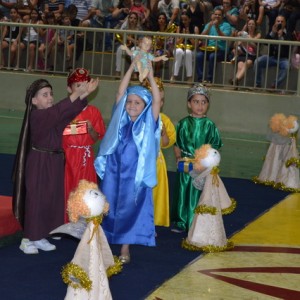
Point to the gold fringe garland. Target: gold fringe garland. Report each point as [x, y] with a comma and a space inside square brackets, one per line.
[293, 161]
[72, 270]
[115, 269]
[204, 209]
[277, 186]
[230, 209]
[185, 244]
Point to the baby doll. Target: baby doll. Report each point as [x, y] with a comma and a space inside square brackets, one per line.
[87, 273]
[207, 231]
[281, 165]
[144, 57]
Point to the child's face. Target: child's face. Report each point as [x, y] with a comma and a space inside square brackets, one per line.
[43, 98]
[134, 106]
[198, 104]
[66, 21]
[137, 3]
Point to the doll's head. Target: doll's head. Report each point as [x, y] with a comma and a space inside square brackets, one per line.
[283, 125]
[198, 100]
[206, 158]
[146, 43]
[86, 201]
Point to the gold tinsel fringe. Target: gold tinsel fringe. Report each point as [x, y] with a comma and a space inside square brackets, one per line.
[208, 248]
[115, 269]
[230, 209]
[204, 209]
[72, 270]
[277, 186]
[293, 161]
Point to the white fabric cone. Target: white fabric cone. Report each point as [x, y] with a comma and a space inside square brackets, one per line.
[272, 165]
[289, 176]
[94, 257]
[209, 229]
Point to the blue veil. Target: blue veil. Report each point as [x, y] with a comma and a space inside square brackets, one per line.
[146, 135]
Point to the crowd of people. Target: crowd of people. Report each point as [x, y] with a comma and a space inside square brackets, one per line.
[230, 18]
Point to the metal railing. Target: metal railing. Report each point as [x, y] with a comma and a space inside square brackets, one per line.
[90, 52]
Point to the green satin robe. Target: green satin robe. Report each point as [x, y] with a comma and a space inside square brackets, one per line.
[191, 134]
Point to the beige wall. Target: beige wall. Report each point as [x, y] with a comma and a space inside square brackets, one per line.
[232, 111]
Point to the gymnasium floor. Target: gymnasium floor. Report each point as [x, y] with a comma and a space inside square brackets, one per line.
[265, 263]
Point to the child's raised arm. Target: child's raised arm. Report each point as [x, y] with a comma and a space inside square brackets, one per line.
[125, 82]
[155, 94]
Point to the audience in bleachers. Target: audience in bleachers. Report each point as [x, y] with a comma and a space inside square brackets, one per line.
[114, 14]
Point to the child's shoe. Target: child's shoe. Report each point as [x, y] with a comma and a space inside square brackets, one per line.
[44, 245]
[28, 247]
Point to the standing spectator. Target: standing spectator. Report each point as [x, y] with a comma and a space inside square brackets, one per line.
[279, 55]
[38, 194]
[143, 12]
[185, 48]
[171, 9]
[79, 154]
[213, 50]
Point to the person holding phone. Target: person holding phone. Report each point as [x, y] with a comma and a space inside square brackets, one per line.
[278, 54]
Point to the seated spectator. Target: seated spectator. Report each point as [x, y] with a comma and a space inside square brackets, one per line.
[271, 9]
[143, 12]
[11, 36]
[230, 14]
[245, 52]
[184, 51]
[101, 12]
[56, 6]
[196, 10]
[65, 38]
[252, 10]
[47, 40]
[5, 6]
[213, 50]
[83, 13]
[132, 23]
[290, 9]
[24, 6]
[121, 12]
[278, 32]
[171, 9]
[30, 39]
[163, 44]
